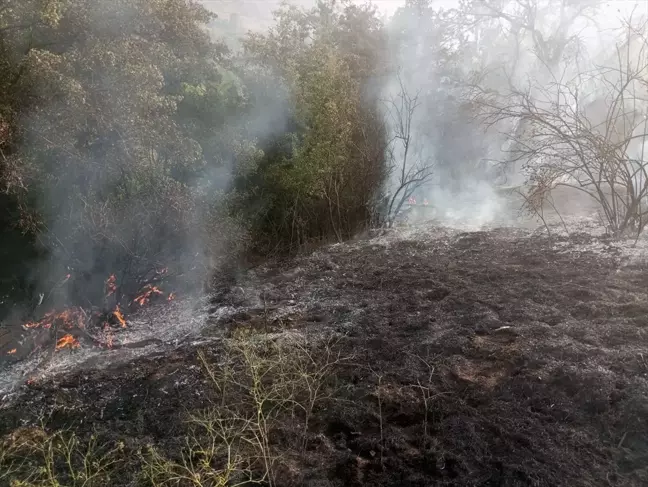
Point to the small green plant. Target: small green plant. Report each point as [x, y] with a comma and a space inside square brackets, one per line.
[216, 455]
[264, 383]
[33, 457]
[8, 465]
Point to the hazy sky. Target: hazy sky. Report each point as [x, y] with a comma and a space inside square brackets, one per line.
[264, 8]
[389, 6]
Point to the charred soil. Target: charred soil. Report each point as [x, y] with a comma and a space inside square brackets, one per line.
[481, 358]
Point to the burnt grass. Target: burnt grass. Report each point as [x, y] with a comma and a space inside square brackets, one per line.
[483, 358]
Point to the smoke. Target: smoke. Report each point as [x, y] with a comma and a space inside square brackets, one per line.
[444, 136]
[458, 57]
[134, 131]
[132, 140]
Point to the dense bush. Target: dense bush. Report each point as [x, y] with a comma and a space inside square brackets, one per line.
[131, 140]
[114, 117]
[319, 181]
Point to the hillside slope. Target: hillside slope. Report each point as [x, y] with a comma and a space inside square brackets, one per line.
[495, 357]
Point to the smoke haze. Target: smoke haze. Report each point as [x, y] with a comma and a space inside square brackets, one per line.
[140, 152]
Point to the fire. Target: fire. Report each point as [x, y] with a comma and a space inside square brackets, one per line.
[69, 318]
[109, 340]
[146, 294]
[120, 317]
[67, 341]
[74, 319]
[46, 321]
[108, 335]
[111, 285]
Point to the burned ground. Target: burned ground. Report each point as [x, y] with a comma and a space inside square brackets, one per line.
[480, 358]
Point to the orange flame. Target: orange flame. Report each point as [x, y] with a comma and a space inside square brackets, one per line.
[67, 341]
[69, 318]
[12, 351]
[120, 317]
[72, 318]
[46, 321]
[145, 296]
[111, 285]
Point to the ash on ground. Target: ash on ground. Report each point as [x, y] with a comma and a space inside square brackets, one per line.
[532, 348]
[153, 329]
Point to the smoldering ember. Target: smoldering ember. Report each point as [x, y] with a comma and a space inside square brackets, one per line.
[323, 243]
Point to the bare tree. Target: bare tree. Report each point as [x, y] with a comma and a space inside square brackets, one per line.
[526, 17]
[591, 143]
[550, 30]
[409, 167]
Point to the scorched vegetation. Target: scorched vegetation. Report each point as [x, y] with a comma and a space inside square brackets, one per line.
[209, 272]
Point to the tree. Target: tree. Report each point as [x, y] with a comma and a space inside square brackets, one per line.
[540, 41]
[433, 48]
[551, 26]
[320, 178]
[409, 165]
[587, 133]
[109, 151]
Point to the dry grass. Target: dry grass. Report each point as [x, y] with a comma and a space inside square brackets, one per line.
[35, 457]
[260, 385]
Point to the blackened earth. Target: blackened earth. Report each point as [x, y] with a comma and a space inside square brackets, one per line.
[532, 357]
